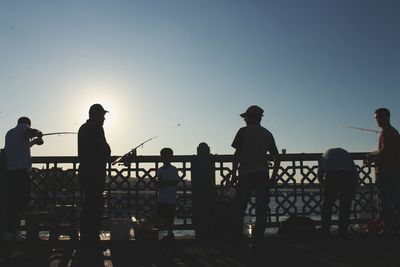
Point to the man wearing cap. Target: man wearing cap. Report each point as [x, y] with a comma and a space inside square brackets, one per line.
[252, 143]
[93, 155]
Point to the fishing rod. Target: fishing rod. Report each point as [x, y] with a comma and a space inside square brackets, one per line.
[58, 133]
[362, 129]
[132, 152]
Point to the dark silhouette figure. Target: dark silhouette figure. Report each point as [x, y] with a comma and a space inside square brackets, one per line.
[338, 175]
[93, 155]
[168, 179]
[252, 143]
[18, 143]
[387, 170]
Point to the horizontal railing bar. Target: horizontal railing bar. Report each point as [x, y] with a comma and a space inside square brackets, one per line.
[177, 158]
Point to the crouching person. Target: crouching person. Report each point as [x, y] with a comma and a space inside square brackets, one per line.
[338, 175]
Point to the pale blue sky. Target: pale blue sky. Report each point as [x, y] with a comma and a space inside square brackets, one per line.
[312, 65]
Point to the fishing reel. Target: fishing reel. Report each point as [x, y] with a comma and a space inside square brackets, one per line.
[127, 159]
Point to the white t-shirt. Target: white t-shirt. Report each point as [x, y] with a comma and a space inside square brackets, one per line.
[167, 194]
[17, 148]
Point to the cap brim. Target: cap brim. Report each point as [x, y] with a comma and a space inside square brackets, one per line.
[246, 115]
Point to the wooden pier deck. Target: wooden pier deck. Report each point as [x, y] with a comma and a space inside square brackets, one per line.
[366, 250]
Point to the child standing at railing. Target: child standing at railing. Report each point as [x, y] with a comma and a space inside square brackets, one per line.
[168, 180]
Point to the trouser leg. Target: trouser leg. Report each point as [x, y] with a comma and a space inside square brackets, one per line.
[344, 213]
[91, 219]
[396, 194]
[18, 196]
[386, 193]
[330, 195]
[240, 204]
[262, 201]
[92, 212]
[166, 216]
[347, 193]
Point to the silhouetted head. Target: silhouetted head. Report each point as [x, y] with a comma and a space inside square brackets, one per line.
[97, 112]
[382, 117]
[166, 155]
[253, 115]
[24, 120]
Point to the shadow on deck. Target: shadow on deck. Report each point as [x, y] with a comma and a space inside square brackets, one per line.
[295, 250]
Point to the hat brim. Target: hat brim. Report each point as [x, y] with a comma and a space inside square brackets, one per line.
[100, 111]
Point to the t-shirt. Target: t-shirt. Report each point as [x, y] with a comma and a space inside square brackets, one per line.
[388, 156]
[167, 194]
[337, 159]
[17, 148]
[252, 143]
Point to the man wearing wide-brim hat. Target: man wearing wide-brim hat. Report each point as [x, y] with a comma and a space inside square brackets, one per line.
[252, 143]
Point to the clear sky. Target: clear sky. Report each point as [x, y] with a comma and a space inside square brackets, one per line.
[184, 70]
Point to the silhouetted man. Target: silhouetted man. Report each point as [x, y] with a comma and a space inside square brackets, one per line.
[252, 143]
[18, 143]
[338, 175]
[387, 170]
[93, 155]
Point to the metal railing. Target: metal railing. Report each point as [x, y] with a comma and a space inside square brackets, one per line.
[299, 192]
[131, 190]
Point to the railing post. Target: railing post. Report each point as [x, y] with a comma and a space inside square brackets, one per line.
[203, 192]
